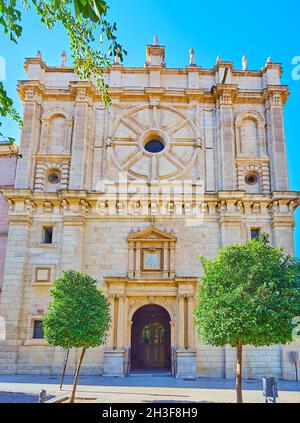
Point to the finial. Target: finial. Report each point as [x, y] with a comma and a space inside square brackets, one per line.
[38, 55]
[192, 57]
[245, 63]
[219, 59]
[63, 58]
[155, 41]
[269, 60]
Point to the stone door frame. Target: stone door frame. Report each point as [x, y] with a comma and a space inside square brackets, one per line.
[176, 295]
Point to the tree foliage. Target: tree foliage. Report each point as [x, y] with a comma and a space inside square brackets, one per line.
[250, 294]
[84, 21]
[79, 315]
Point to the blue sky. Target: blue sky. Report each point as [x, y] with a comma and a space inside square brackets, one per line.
[229, 29]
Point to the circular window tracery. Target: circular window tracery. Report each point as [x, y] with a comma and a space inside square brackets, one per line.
[136, 128]
[251, 179]
[154, 146]
[54, 177]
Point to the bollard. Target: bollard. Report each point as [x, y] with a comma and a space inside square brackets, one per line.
[270, 390]
[42, 396]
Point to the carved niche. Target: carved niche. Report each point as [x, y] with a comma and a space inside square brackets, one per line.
[56, 131]
[250, 134]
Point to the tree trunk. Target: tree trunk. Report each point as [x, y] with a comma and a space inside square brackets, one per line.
[239, 362]
[72, 399]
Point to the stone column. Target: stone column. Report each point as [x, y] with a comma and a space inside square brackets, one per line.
[166, 259]
[138, 260]
[191, 334]
[131, 269]
[115, 353]
[180, 319]
[185, 356]
[116, 303]
[12, 300]
[172, 260]
[122, 318]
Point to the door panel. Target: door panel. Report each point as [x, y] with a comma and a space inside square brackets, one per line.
[151, 339]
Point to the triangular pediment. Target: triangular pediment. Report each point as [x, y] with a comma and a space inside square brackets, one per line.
[151, 233]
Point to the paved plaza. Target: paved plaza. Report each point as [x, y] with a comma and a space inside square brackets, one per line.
[140, 389]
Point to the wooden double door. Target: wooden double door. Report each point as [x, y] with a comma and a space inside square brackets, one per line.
[150, 339]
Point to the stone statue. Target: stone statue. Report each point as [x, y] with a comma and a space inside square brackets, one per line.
[192, 57]
[38, 55]
[155, 41]
[269, 60]
[63, 58]
[117, 57]
[245, 63]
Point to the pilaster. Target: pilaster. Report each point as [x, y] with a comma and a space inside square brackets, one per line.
[11, 307]
[224, 95]
[30, 135]
[81, 146]
[275, 99]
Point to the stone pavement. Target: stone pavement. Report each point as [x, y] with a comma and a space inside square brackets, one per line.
[146, 389]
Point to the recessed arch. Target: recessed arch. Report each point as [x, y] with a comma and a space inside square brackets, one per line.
[56, 131]
[141, 303]
[56, 111]
[250, 114]
[151, 338]
[250, 134]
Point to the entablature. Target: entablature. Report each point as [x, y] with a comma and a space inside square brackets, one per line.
[92, 205]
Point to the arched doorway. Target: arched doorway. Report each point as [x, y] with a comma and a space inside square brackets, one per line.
[150, 338]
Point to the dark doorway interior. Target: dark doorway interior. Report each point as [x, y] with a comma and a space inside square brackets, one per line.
[150, 339]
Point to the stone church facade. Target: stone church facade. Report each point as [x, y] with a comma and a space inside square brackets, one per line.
[184, 162]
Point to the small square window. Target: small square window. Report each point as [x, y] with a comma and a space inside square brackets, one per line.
[255, 233]
[38, 331]
[42, 274]
[47, 235]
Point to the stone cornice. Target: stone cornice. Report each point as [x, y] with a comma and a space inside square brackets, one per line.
[7, 149]
[53, 157]
[118, 282]
[24, 204]
[165, 70]
[276, 94]
[85, 91]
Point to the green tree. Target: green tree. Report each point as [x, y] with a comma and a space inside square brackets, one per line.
[248, 296]
[84, 21]
[78, 316]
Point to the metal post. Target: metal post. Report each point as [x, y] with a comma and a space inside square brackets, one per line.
[64, 370]
[42, 396]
